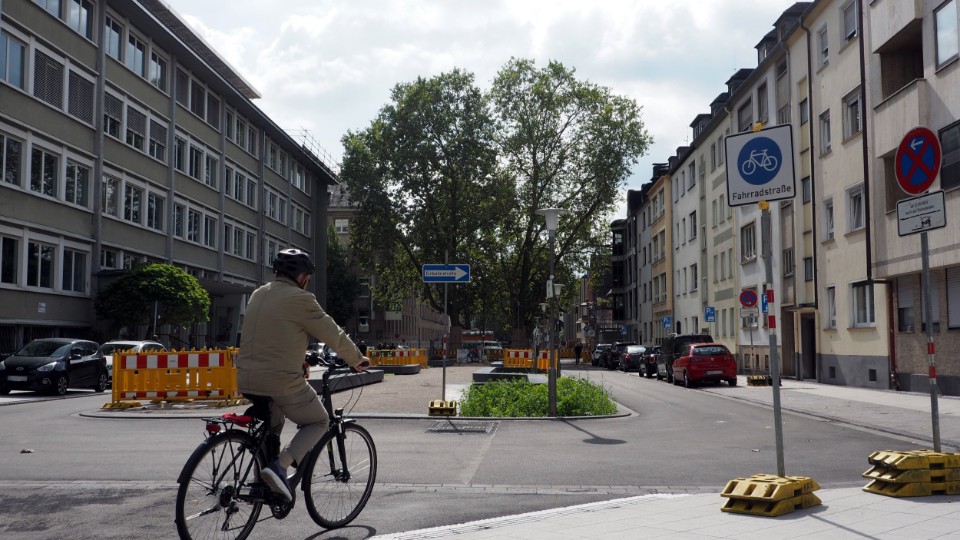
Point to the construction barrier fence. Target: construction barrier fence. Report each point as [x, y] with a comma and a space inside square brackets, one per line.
[174, 376]
[398, 357]
[523, 358]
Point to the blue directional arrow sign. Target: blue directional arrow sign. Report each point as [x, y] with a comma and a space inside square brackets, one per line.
[446, 273]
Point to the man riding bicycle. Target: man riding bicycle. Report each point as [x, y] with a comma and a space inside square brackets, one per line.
[281, 317]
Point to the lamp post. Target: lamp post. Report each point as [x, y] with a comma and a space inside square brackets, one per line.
[552, 215]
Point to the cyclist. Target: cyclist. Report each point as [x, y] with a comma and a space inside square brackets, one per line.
[281, 317]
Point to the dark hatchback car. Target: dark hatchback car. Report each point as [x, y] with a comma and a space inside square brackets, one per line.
[612, 357]
[54, 364]
[631, 358]
[648, 362]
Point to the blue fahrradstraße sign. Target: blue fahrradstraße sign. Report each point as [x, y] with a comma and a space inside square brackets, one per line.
[760, 166]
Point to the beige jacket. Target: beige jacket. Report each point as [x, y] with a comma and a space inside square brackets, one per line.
[279, 321]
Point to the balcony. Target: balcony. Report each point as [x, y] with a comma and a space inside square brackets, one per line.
[889, 17]
[903, 110]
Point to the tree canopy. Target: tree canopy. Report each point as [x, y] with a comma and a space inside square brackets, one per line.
[343, 286]
[447, 172]
[131, 299]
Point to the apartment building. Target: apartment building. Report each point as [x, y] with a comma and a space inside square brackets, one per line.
[687, 308]
[125, 138]
[912, 71]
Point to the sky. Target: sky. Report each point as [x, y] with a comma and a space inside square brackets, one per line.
[327, 66]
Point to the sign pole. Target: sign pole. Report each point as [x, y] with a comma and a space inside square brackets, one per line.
[928, 318]
[767, 246]
[446, 322]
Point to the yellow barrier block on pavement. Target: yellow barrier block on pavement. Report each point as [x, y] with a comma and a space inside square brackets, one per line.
[909, 476]
[916, 489]
[442, 408]
[759, 380]
[769, 495]
[915, 459]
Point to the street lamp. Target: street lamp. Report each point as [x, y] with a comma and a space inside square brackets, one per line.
[552, 215]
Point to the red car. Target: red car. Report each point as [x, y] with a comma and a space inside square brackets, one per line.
[705, 362]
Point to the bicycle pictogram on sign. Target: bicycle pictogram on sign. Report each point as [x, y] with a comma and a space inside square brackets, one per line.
[759, 160]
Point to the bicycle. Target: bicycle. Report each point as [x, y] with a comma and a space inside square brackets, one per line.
[759, 159]
[221, 494]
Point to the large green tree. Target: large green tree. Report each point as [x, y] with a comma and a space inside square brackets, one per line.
[424, 178]
[132, 298]
[343, 285]
[448, 172]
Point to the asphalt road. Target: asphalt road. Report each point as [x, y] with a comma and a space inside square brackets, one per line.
[115, 478]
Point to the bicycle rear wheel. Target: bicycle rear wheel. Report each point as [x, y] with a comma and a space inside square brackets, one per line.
[335, 491]
[214, 499]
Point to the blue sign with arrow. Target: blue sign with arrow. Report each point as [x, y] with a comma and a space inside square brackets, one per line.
[710, 314]
[446, 273]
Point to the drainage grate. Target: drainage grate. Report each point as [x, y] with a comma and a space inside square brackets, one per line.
[448, 426]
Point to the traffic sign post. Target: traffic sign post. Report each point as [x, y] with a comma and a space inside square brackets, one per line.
[916, 166]
[748, 298]
[760, 166]
[667, 322]
[710, 314]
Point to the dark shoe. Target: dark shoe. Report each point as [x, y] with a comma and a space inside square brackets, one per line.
[275, 477]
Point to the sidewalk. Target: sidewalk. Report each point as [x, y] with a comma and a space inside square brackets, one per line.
[844, 512]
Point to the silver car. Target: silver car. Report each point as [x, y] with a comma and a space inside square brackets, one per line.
[122, 345]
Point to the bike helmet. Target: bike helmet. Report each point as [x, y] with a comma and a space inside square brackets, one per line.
[293, 262]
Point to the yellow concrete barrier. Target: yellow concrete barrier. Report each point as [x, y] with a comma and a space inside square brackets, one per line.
[769, 495]
[916, 473]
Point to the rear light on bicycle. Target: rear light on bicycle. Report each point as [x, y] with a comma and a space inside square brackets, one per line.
[213, 427]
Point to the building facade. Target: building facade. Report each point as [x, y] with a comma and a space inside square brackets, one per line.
[126, 139]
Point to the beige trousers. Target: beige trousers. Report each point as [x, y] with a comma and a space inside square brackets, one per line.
[304, 409]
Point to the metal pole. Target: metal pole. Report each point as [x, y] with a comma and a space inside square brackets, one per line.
[446, 334]
[767, 246]
[928, 319]
[552, 371]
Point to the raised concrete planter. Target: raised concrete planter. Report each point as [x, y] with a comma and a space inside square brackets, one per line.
[409, 369]
[486, 374]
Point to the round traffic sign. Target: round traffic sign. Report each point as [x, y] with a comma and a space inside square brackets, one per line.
[748, 298]
[759, 160]
[917, 162]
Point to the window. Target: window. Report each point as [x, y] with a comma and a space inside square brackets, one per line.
[713, 157]
[806, 186]
[713, 212]
[692, 176]
[158, 140]
[193, 225]
[198, 97]
[748, 242]
[111, 38]
[158, 71]
[953, 298]
[10, 151]
[905, 302]
[77, 189]
[80, 97]
[213, 111]
[210, 171]
[364, 287]
[945, 26]
[8, 260]
[823, 47]
[863, 305]
[196, 159]
[132, 204]
[693, 225]
[48, 79]
[694, 277]
[804, 111]
[825, 132]
[11, 60]
[179, 151]
[950, 164]
[44, 170]
[831, 314]
[849, 12]
[808, 270]
[855, 209]
[40, 265]
[745, 117]
[111, 196]
[762, 109]
[155, 211]
[182, 88]
[851, 114]
[178, 217]
[209, 231]
[788, 263]
[136, 128]
[720, 150]
[74, 270]
[52, 6]
[828, 219]
[112, 115]
[136, 55]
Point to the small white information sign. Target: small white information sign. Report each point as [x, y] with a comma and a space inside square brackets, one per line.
[923, 213]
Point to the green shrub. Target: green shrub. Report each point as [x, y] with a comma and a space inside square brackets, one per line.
[519, 398]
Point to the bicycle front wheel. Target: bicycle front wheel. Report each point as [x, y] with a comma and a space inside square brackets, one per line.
[214, 498]
[338, 484]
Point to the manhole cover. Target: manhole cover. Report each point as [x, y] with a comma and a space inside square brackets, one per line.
[447, 426]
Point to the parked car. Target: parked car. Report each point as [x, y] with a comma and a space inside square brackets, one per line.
[673, 345]
[122, 345]
[705, 362]
[612, 358]
[631, 357]
[53, 365]
[597, 355]
[648, 362]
